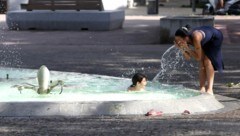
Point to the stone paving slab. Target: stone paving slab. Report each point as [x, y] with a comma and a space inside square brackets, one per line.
[120, 125]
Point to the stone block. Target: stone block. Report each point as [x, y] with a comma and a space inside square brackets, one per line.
[65, 20]
[169, 25]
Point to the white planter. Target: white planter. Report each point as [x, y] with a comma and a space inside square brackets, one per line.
[15, 4]
[114, 4]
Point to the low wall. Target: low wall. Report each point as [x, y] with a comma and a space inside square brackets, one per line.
[107, 4]
[111, 18]
[202, 104]
[169, 25]
[65, 20]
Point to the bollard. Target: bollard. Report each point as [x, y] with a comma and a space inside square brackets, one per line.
[194, 6]
[152, 7]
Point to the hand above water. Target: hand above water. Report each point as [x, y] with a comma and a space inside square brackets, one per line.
[181, 45]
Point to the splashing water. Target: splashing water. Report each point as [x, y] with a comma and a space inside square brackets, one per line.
[10, 55]
[175, 69]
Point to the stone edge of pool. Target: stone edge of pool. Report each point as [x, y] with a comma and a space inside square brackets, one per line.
[201, 104]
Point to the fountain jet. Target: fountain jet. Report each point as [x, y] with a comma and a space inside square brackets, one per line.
[44, 84]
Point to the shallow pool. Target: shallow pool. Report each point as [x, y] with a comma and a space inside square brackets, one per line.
[84, 87]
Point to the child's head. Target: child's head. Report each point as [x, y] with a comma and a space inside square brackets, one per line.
[139, 79]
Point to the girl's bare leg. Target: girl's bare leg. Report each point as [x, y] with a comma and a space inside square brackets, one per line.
[210, 75]
[221, 3]
[202, 74]
[202, 77]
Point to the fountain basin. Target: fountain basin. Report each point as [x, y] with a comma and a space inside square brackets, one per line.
[84, 95]
[196, 105]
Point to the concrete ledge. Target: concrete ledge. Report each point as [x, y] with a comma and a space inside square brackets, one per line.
[169, 25]
[199, 104]
[107, 4]
[65, 20]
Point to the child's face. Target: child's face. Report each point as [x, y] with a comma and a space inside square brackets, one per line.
[143, 82]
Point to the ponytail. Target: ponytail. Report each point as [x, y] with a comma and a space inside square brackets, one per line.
[183, 31]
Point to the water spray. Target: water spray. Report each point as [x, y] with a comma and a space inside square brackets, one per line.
[174, 68]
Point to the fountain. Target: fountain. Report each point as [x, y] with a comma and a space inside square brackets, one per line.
[45, 86]
[86, 94]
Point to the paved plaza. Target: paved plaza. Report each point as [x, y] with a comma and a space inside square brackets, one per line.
[119, 53]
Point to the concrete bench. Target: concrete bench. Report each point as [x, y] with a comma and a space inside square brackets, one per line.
[63, 5]
[70, 17]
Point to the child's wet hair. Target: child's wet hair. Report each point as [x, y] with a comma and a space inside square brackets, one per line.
[138, 77]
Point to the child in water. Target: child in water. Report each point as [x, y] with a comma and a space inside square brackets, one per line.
[139, 81]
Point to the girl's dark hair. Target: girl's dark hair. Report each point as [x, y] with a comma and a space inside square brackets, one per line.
[138, 77]
[183, 31]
